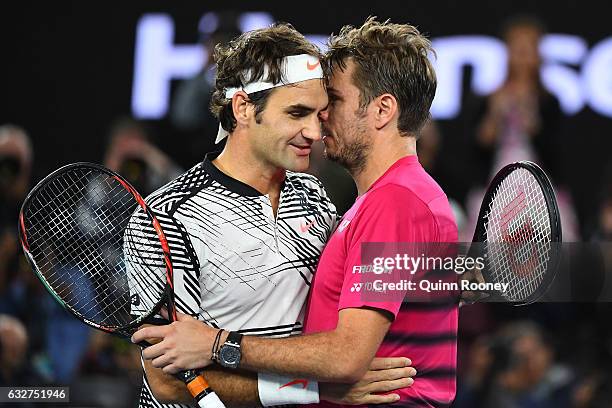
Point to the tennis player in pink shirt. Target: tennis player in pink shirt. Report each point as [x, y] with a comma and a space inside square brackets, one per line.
[381, 86]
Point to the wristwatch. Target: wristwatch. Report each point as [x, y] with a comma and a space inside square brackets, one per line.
[229, 354]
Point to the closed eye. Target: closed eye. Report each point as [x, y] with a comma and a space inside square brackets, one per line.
[298, 114]
[299, 111]
[333, 98]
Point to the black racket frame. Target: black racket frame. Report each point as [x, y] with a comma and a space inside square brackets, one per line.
[167, 299]
[554, 219]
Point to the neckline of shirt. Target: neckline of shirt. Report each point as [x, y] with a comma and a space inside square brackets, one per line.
[233, 185]
[404, 161]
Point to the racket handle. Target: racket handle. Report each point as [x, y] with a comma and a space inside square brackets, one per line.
[211, 400]
[201, 391]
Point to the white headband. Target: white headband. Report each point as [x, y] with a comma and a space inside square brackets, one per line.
[296, 68]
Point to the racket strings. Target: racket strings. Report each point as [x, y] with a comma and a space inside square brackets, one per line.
[518, 234]
[77, 228]
[146, 268]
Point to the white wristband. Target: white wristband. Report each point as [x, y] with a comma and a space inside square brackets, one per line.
[280, 390]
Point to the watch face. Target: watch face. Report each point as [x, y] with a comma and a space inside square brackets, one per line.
[230, 355]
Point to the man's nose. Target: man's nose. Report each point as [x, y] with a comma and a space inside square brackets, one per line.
[312, 130]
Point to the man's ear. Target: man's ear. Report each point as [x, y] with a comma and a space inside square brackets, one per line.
[385, 110]
[241, 107]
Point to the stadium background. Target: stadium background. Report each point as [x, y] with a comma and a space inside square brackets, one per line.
[68, 72]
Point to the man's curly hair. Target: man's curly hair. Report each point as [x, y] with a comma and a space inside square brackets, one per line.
[389, 58]
[243, 59]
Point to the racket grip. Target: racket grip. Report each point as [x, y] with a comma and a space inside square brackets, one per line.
[211, 400]
[201, 391]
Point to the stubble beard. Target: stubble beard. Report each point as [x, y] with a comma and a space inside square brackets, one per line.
[352, 155]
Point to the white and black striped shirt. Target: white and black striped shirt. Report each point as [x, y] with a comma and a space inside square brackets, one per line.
[236, 266]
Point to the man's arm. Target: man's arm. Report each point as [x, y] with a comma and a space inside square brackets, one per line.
[235, 388]
[341, 355]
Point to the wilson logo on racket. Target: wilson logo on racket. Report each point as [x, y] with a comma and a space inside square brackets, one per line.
[522, 254]
[520, 228]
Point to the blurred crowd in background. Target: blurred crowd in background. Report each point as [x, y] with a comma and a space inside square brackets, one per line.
[544, 355]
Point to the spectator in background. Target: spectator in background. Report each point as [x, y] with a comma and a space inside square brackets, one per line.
[521, 120]
[603, 229]
[131, 154]
[21, 294]
[189, 112]
[108, 355]
[14, 368]
[428, 145]
[15, 169]
[604, 232]
[428, 148]
[594, 391]
[516, 369]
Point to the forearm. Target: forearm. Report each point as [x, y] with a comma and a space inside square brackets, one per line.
[166, 388]
[341, 355]
[235, 388]
[321, 356]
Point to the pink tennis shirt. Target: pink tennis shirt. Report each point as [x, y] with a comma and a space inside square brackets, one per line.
[404, 205]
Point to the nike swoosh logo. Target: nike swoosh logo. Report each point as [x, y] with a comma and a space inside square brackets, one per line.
[295, 382]
[310, 66]
[306, 227]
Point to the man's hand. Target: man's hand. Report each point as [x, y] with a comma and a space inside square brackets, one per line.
[185, 344]
[384, 375]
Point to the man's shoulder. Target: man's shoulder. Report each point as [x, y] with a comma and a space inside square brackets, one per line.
[394, 201]
[393, 194]
[408, 185]
[168, 197]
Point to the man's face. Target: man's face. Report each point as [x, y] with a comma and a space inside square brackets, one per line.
[345, 125]
[289, 124]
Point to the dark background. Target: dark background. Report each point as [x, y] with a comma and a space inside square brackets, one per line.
[66, 73]
[68, 69]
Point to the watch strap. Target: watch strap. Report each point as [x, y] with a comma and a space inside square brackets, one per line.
[234, 338]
